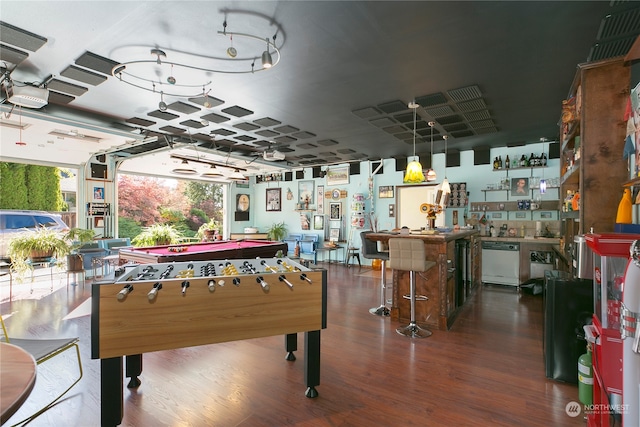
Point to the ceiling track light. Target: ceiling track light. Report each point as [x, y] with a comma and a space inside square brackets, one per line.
[162, 106]
[146, 74]
[414, 174]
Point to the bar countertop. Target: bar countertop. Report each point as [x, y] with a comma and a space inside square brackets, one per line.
[435, 237]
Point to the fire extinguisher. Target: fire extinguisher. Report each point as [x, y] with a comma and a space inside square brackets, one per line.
[585, 377]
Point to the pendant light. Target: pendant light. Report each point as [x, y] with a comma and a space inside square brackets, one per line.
[413, 174]
[543, 183]
[431, 173]
[236, 175]
[267, 61]
[185, 169]
[446, 189]
[212, 172]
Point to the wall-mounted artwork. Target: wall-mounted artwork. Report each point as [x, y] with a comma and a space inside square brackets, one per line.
[320, 199]
[273, 198]
[305, 192]
[335, 210]
[98, 193]
[338, 175]
[385, 192]
[318, 222]
[519, 186]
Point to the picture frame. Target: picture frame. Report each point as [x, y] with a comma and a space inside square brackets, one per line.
[242, 183]
[520, 187]
[385, 192]
[243, 202]
[338, 175]
[273, 198]
[335, 210]
[318, 222]
[98, 193]
[334, 235]
[320, 199]
[305, 190]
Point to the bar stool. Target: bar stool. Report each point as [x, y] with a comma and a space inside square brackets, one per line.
[408, 254]
[370, 251]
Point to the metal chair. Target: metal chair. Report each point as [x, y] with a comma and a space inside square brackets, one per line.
[370, 251]
[43, 350]
[408, 254]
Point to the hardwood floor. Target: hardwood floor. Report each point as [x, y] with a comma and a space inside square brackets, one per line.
[488, 370]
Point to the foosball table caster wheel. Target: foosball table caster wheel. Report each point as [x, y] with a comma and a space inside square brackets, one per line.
[134, 382]
[311, 392]
[290, 356]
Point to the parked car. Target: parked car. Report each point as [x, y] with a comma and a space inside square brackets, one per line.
[14, 222]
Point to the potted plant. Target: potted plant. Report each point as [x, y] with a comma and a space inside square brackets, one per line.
[277, 231]
[210, 229]
[36, 246]
[77, 238]
[157, 234]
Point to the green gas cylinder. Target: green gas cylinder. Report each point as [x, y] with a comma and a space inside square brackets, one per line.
[585, 377]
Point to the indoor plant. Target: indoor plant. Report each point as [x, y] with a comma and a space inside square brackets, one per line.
[277, 231]
[157, 234]
[41, 244]
[77, 238]
[209, 229]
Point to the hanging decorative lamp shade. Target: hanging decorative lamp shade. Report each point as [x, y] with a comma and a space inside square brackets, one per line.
[431, 173]
[413, 174]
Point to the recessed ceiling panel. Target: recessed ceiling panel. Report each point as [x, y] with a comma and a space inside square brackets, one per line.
[223, 132]
[192, 124]
[307, 146]
[456, 127]
[443, 110]
[245, 138]
[267, 121]
[404, 117]
[327, 142]
[96, 63]
[284, 139]
[266, 133]
[140, 122]
[20, 38]
[246, 126]
[201, 100]
[383, 122]
[286, 149]
[59, 98]
[449, 119]
[64, 87]
[182, 107]
[394, 129]
[477, 115]
[431, 100]
[345, 151]
[465, 93]
[164, 115]
[327, 153]
[393, 107]
[11, 55]
[303, 135]
[286, 129]
[237, 111]
[82, 75]
[172, 129]
[482, 124]
[475, 105]
[215, 118]
[367, 112]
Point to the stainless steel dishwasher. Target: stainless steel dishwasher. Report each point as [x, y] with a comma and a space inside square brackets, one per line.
[501, 263]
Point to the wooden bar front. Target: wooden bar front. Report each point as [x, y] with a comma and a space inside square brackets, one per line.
[438, 284]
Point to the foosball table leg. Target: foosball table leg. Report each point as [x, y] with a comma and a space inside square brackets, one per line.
[290, 345]
[133, 370]
[312, 362]
[111, 394]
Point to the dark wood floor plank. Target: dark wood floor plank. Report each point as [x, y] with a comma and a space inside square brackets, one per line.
[487, 370]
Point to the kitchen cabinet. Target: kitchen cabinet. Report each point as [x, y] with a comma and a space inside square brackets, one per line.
[593, 131]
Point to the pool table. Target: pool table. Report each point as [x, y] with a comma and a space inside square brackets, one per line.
[223, 249]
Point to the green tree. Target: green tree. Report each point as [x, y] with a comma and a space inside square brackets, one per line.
[206, 196]
[30, 187]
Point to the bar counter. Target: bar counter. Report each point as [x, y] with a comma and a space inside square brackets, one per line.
[442, 284]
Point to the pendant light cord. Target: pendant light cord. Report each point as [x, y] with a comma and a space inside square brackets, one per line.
[414, 130]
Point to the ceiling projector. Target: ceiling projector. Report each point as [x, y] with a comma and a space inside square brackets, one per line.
[28, 96]
[273, 156]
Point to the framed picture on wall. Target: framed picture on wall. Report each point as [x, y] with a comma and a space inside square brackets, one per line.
[305, 192]
[273, 198]
[334, 235]
[98, 193]
[338, 175]
[320, 199]
[318, 222]
[520, 187]
[385, 192]
[335, 210]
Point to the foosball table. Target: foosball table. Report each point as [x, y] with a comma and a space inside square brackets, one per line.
[155, 307]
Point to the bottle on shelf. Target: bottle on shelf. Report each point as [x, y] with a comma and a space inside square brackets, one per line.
[506, 162]
[495, 164]
[499, 162]
[523, 161]
[567, 201]
[544, 159]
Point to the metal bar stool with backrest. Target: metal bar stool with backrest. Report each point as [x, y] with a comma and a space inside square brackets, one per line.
[370, 251]
[408, 254]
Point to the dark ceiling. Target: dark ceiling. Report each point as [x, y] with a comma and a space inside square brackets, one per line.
[489, 74]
